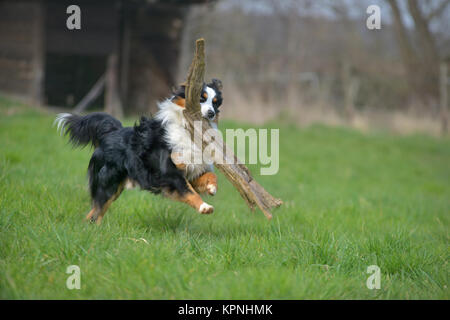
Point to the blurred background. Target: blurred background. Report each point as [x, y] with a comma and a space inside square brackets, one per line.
[297, 61]
[309, 68]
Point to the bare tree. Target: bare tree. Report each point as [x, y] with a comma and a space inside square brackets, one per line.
[418, 50]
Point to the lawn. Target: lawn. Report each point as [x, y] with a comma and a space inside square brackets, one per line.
[351, 200]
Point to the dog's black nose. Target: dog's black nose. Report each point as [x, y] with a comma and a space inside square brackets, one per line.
[210, 114]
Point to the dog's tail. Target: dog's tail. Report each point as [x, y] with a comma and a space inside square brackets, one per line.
[83, 130]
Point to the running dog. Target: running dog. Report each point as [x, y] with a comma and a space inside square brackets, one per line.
[155, 154]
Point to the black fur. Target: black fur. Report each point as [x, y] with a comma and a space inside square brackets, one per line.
[215, 84]
[90, 129]
[139, 153]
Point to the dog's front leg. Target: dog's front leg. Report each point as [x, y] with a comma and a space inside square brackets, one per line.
[177, 159]
[206, 183]
[191, 198]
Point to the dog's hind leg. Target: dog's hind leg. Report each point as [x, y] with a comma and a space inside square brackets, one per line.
[109, 184]
[100, 207]
[106, 183]
[91, 213]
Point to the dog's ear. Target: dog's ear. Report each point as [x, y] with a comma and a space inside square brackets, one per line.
[216, 83]
[180, 91]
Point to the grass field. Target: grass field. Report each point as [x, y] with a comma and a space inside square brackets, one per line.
[351, 200]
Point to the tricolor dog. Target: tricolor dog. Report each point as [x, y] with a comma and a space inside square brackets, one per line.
[154, 154]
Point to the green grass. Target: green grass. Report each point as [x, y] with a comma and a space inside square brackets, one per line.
[350, 200]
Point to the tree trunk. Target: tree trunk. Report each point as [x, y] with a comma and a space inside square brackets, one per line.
[407, 53]
[425, 37]
[420, 61]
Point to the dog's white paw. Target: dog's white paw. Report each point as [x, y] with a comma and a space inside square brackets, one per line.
[212, 189]
[205, 208]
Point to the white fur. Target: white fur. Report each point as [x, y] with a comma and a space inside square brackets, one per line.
[61, 119]
[208, 104]
[178, 137]
[211, 189]
[204, 208]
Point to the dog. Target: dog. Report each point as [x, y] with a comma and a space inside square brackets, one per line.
[154, 154]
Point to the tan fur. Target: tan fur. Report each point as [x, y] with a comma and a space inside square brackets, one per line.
[179, 101]
[191, 198]
[97, 213]
[206, 180]
[177, 160]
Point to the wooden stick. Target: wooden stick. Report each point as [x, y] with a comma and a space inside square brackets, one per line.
[95, 91]
[237, 173]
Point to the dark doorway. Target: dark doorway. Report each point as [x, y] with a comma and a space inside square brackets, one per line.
[68, 78]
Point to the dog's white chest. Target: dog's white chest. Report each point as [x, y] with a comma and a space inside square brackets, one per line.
[187, 152]
[179, 139]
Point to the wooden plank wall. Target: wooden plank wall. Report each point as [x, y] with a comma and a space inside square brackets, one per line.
[76, 59]
[99, 32]
[154, 46]
[21, 48]
[148, 46]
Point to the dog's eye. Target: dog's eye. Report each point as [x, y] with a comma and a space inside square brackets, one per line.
[205, 95]
[215, 100]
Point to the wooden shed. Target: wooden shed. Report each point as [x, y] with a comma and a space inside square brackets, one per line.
[124, 57]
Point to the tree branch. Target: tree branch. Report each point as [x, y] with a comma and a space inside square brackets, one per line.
[438, 10]
[237, 173]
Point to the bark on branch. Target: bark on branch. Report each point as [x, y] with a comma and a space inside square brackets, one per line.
[237, 173]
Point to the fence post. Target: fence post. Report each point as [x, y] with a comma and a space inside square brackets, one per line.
[113, 104]
[444, 97]
[351, 88]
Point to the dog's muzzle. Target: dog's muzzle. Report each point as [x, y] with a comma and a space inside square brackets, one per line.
[210, 114]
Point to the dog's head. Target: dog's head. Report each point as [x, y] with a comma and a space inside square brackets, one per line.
[210, 98]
